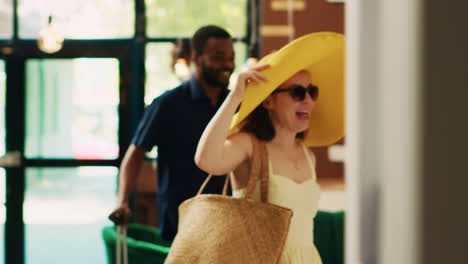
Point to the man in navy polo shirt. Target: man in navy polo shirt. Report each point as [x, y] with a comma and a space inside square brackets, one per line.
[174, 123]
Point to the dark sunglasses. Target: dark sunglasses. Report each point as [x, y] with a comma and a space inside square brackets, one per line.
[298, 92]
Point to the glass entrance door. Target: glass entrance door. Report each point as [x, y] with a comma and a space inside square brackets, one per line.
[71, 116]
[65, 123]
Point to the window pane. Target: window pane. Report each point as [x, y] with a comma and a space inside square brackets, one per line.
[240, 48]
[64, 212]
[2, 106]
[181, 18]
[159, 74]
[2, 212]
[78, 19]
[2, 152]
[75, 102]
[6, 18]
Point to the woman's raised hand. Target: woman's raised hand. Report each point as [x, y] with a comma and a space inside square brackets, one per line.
[252, 75]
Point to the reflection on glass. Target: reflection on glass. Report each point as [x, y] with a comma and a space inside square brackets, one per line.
[64, 212]
[181, 18]
[71, 108]
[6, 18]
[85, 19]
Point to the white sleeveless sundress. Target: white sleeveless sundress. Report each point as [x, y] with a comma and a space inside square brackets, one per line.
[302, 199]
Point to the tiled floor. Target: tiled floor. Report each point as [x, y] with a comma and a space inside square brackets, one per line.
[332, 196]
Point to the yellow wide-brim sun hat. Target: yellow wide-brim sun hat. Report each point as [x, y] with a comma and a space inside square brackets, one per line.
[322, 54]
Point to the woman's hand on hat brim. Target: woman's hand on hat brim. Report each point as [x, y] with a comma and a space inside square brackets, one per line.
[245, 78]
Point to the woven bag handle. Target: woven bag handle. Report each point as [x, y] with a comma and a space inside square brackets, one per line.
[208, 178]
[258, 169]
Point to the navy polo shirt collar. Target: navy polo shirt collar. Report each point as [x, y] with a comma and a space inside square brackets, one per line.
[198, 94]
[196, 90]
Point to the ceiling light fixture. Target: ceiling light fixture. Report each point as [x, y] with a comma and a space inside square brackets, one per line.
[50, 40]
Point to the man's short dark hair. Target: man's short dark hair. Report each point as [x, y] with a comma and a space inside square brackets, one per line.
[202, 35]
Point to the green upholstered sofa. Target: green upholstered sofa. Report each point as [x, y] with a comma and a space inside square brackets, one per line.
[329, 236]
[145, 244]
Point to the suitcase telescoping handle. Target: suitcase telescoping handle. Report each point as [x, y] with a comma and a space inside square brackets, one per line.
[121, 245]
[121, 242]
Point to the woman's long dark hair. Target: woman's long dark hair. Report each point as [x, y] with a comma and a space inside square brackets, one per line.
[259, 124]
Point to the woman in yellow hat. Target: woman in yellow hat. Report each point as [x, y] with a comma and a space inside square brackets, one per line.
[281, 106]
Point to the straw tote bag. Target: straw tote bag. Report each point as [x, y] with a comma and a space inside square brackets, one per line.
[220, 229]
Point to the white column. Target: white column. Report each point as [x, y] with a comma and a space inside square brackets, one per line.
[400, 119]
[362, 135]
[407, 132]
[382, 171]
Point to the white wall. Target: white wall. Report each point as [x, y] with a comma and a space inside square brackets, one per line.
[407, 131]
